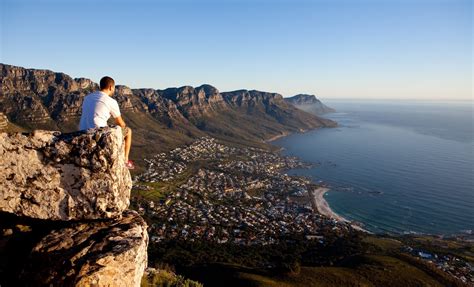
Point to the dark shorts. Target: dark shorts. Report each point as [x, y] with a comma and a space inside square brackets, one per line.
[125, 131]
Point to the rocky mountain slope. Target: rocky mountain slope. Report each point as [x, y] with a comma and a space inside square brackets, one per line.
[32, 98]
[310, 104]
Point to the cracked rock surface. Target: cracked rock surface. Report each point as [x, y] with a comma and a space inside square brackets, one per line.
[54, 176]
[100, 253]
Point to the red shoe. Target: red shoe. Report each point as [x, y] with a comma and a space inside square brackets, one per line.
[130, 165]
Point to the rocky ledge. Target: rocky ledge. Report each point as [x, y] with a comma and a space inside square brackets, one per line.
[76, 176]
[91, 254]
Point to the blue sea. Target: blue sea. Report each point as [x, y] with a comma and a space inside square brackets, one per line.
[396, 167]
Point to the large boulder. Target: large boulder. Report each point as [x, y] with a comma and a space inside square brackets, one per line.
[75, 176]
[100, 253]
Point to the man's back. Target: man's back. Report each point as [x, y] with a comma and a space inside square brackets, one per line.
[97, 109]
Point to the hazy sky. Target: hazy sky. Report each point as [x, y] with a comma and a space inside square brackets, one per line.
[334, 49]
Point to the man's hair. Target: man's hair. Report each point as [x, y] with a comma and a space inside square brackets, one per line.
[106, 82]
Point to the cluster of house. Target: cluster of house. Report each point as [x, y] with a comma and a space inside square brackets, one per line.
[240, 196]
[450, 264]
[240, 219]
[161, 168]
[164, 167]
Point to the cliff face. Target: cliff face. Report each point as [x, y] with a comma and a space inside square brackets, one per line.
[44, 99]
[41, 97]
[194, 103]
[310, 104]
[63, 211]
[273, 107]
[48, 175]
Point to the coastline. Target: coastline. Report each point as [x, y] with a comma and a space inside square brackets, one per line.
[274, 138]
[316, 196]
[320, 205]
[285, 134]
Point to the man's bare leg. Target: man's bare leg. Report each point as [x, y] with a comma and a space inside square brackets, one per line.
[128, 144]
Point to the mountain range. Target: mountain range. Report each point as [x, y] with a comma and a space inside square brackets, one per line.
[43, 99]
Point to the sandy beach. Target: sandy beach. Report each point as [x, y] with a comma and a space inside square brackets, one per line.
[321, 205]
[274, 138]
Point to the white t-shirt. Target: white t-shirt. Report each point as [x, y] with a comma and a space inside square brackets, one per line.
[97, 109]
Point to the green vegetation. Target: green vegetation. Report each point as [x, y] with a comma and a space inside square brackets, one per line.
[355, 260]
[383, 244]
[165, 278]
[365, 271]
[158, 190]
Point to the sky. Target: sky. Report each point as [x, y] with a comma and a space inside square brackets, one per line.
[418, 49]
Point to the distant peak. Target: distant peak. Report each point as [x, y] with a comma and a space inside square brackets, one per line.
[303, 98]
[208, 89]
[309, 103]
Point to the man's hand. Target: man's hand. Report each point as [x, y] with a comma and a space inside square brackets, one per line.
[120, 122]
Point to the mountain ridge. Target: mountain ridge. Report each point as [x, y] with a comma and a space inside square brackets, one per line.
[44, 99]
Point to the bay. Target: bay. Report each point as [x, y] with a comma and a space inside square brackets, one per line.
[396, 167]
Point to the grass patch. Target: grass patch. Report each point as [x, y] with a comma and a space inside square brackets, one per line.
[364, 270]
[164, 278]
[384, 244]
[159, 190]
[156, 191]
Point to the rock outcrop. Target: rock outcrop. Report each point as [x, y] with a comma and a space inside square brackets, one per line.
[63, 211]
[49, 175]
[310, 104]
[104, 253]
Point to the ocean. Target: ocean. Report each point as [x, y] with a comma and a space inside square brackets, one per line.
[396, 167]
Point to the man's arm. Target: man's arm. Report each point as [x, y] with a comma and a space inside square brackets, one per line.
[119, 121]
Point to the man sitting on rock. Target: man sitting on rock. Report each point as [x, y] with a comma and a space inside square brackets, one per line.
[97, 109]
